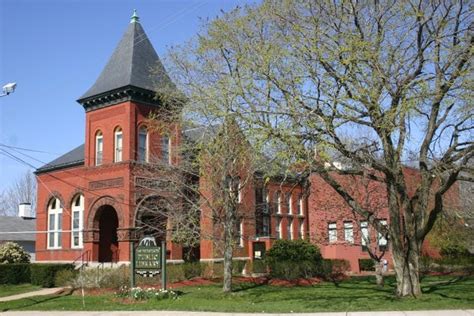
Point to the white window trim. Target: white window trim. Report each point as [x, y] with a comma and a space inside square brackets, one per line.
[332, 227]
[56, 230]
[279, 203]
[118, 132]
[364, 234]
[146, 148]
[290, 204]
[241, 237]
[99, 136]
[301, 230]
[168, 140]
[300, 206]
[278, 227]
[381, 240]
[290, 228]
[80, 210]
[349, 232]
[239, 191]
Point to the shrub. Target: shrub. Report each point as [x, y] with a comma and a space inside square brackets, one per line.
[334, 269]
[15, 273]
[366, 265]
[191, 270]
[11, 252]
[45, 274]
[113, 278]
[293, 259]
[65, 277]
[259, 266]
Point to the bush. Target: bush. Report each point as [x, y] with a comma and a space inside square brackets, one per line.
[191, 270]
[11, 252]
[65, 277]
[259, 266]
[113, 278]
[45, 274]
[15, 273]
[293, 259]
[366, 265]
[334, 269]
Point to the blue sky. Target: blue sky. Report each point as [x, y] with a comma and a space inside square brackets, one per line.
[55, 49]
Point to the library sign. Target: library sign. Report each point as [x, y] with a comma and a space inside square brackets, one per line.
[148, 257]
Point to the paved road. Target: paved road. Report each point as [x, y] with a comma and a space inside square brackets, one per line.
[166, 313]
[30, 294]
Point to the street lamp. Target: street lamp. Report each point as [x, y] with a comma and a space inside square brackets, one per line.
[8, 88]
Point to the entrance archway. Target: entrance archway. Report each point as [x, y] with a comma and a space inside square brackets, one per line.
[108, 241]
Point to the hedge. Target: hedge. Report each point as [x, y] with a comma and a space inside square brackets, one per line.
[15, 273]
[366, 265]
[45, 274]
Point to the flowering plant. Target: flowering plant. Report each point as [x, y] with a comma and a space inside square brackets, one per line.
[139, 294]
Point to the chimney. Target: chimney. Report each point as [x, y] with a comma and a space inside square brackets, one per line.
[24, 210]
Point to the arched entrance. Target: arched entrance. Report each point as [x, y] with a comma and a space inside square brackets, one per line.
[108, 241]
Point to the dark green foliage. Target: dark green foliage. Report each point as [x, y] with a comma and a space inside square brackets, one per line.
[259, 266]
[293, 259]
[45, 274]
[334, 269]
[191, 270]
[366, 265]
[65, 277]
[15, 273]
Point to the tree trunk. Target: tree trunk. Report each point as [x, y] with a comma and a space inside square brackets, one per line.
[406, 264]
[379, 274]
[227, 287]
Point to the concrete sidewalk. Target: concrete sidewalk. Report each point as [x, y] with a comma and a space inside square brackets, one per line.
[49, 291]
[169, 313]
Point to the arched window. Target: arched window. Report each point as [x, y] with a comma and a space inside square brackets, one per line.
[99, 148]
[55, 218]
[118, 144]
[77, 224]
[142, 144]
[165, 149]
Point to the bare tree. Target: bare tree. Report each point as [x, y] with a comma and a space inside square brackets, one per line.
[23, 190]
[203, 185]
[393, 77]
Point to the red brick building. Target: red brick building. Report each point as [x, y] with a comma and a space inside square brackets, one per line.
[88, 199]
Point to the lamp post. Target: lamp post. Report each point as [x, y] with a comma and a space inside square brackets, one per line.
[8, 88]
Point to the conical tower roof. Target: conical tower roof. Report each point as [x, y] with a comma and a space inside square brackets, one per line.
[133, 66]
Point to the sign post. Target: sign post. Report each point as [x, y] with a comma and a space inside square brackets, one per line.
[163, 265]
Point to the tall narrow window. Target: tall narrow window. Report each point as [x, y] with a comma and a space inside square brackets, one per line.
[301, 230]
[142, 144]
[241, 235]
[266, 226]
[382, 241]
[278, 228]
[300, 205]
[266, 194]
[348, 232]
[55, 216]
[278, 201]
[290, 203]
[289, 228]
[364, 235]
[77, 221]
[165, 149]
[118, 144]
[239, 191]
[332, 232]
[99, 148]
[287, 202]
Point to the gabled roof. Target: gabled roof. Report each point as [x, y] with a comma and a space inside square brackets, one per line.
[13, 228]
[134, 63]
[72, 158]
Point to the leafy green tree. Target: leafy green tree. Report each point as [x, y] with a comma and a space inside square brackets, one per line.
[371, 84]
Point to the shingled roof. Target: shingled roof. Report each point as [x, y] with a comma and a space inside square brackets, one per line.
[14, 228]
[134, 63]
[72, 158]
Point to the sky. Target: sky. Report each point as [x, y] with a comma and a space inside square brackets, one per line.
[55, 49]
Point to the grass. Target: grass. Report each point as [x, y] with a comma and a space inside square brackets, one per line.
[12, 289]
[356, 294]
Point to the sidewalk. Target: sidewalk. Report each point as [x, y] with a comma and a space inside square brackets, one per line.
[30, 294]
[169, 313]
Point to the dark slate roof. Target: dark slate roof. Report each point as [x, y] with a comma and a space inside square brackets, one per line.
[73, 158]
[13, 228]
[133, 63]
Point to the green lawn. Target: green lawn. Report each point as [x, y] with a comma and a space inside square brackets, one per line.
[357, 294]
[12, 289]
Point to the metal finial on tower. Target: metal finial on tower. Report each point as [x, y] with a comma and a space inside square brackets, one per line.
[134, 18]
